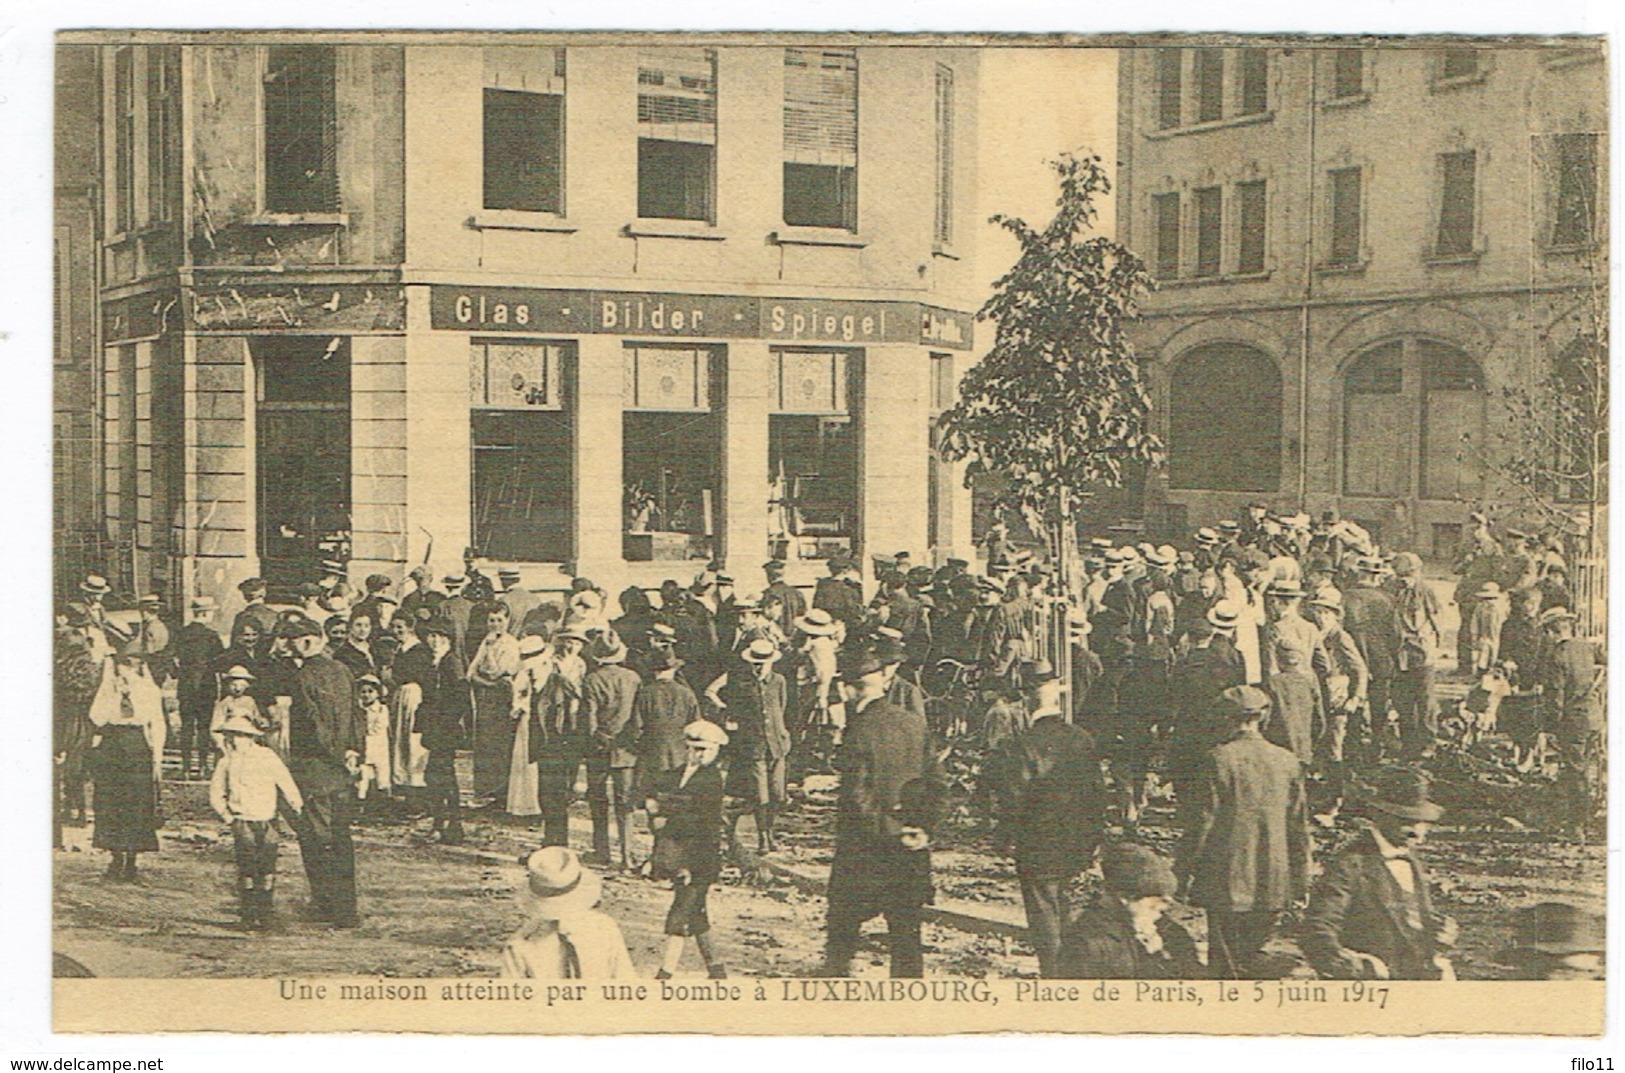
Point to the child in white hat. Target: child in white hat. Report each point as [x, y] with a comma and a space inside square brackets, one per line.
[244, 792]
[235, 704]
[685, 810]
[369, 701]
[564, 936]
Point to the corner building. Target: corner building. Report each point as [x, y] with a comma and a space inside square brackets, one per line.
[616, 310]
[1357, 249]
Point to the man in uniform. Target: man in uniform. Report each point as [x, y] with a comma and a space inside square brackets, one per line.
[841, 593]
[197, 649]
[882, 862]
[791, 604]
[326, 740]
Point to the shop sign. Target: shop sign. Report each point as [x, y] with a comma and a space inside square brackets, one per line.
[946, 328]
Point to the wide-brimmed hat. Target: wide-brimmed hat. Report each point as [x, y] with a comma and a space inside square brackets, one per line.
[751, 601]
[760, 650]
[705, 732]
[241, 724]
[1402, 792]
[532, 644]
[1230, 526]
[1207, 537]
[1224, 614]
[1133, 871]
[989, 583]
[96, 585]
[817, 623]
[239, 672]
[1328, 597]
[1163, 556]
[150, 599]
[1553, 615]
[204, 603]
[1490, 590]
[1284, 589]
[1558, 929]
[1243, 702]
[607, 651]
[556, 884]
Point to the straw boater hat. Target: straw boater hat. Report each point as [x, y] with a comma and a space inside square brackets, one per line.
[556, 884]
[371, 680]
[1284, 589]
[532, 644]
[760, 650]
[1553, 615]
[1328, 597]
[989, 583]
[151, 599]
[1163, 556]
[1402, 792]
[1224, 615]
[96, 585]
[816, 623]
[705, 732]
[241, 724]
[239, 672]
[1207, 537]
[751, 601]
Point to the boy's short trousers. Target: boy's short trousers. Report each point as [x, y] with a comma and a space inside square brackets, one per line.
[687, 915]
[254, 842]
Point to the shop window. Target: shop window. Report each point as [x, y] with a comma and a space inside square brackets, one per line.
[1209, 230]
[812, 454]
[163, 130]
[1170, 78]
[124, 139]
[677, 134]
[1255, 85]
[1569, 162]
[524, 129]
[1165, 226]
[1345, 216]
[821, 138]
[671, 452]
[943, 230]
[1348, 74]
[1209, 84]
[1252, 221]
[524, 447]
[301, 130]
[1224, 420]
[1458, 176]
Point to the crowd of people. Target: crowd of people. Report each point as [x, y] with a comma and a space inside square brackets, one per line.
[1273, 673]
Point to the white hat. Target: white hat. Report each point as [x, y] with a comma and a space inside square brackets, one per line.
[760, 650]
[240, 672]
[705, 732]
[556, 884]
[817, 622]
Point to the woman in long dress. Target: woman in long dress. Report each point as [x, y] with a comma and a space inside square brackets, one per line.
[535, 668]
[128, 716]
[491, 673]
[412, 665]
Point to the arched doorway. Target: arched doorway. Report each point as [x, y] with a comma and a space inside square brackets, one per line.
[1224, 420]
[1413, 422]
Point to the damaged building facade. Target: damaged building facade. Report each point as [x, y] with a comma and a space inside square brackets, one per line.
[615, 310]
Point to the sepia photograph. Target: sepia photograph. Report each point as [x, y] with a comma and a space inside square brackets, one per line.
[589, 532]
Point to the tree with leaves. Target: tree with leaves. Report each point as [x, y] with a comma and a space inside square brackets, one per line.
[1059, 403]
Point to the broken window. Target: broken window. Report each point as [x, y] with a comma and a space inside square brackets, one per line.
[301, 130]
[821, 138]
[812, 453]
[677, 134]
[524, 445]
[524, 129]
[671, 452]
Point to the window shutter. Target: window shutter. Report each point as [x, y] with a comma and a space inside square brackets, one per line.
[677, 95]
[525, 67]
[821, 106]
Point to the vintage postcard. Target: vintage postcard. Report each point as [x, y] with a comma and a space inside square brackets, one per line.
[829, 533]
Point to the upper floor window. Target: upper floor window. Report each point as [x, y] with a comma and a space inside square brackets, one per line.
[163, 130]
[124, 139]
[301, 130]
[524, 129]
[1458, 209]
[1165, 230]
[1209, 84]
[1251, 226]
[1346, 211]
[677, 134]
[1569, 162]
[1253, 92]
[821, 138]
[1209, 230]
[1170, 80]
[1348, 74]
[943, 229]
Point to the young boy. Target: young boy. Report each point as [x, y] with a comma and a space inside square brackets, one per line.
[685, 811]
[369, 699]
[244, 792]
[235, 704]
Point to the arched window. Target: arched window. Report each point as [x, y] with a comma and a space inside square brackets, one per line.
[1413, 416]
[1224, 420]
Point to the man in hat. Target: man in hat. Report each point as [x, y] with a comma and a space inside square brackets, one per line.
[791, 603]
[841, 593]
[150, 639]
[998, 632]
[457, 610]
[882, 863]
[326, 740]
[1229, 536]
[751, 699]
[685, 810]
[243, 793]
[1372, 916]
[1210, 666]
[1245, 858]
[564, 936]
[663, 707]
[695, 619]
[197, 648]
[1572, 677]
[1347, 680]
[378, 605]
[1417, 606]
[900, 690]
[442, 723]
[477, 586]
[608, 694]
[1126, 934]
[93, 592]
[1285, 627]
[1557, 941]
[1206, 555]
[1252, 529]
[257, 611]
[1372, 621]
[520, 600]
[1052, 804]
[423, 593]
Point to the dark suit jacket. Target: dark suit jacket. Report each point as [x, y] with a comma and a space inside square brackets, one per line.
[1056, 811]
[1358, 905]
[442, 718]
[692, 835]
[1099, 944]
[1248, 847]
[841, 597]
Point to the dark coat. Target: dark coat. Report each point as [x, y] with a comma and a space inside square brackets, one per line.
[1099, 944]
[1056, 809]
[1248, 846]
[659, 713]
[842, 598]
[1297, 717]
[755, 707]
[360, 663]
[692, 835]
[1371, 619]
[1358, 905]
[443, 716]
[608, 694]
[196, 649]
[1571, 675]
[324, 721]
